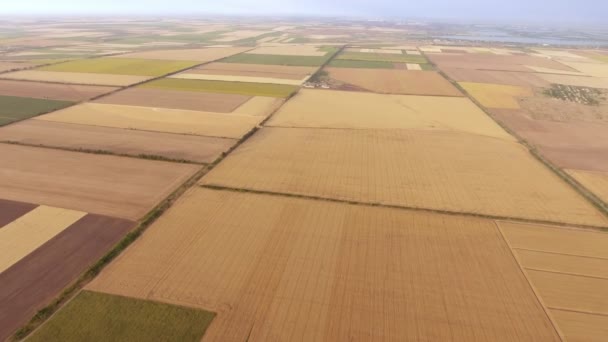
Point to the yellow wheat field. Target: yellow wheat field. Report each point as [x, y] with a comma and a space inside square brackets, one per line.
[287, 269]
[156, 119]
[341, 109]
[571, 264]
[496, 95]
[200, 55]
[22, 236]
[424, 169]
[597, 182]
[74, 77]
[259, 106]
[230, 78]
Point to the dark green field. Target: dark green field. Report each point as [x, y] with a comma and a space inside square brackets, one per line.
[13, 108]
[93, 316]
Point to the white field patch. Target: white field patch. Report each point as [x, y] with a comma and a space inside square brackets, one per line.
[231, 78]
[289, 50]
[429, 49]
[392, 52]
[411, 66]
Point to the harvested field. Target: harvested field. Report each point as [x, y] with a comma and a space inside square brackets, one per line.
[597, 182]
[255, 70]
[448, 171]
[496, 95]
[34, 281]
[240, 34]
[259, 106]
[228, 78]
[11, 210]
[591, 69]
[581, 327]
[199, 55]
[486, 61]
[382, 57]
[22, 236]
[289, 50]
[115, 140]
[97, 317]
[296, 269]
[552, 71]
[561, 263]
[52, 91]
[108, 185]
[156, 119]
[176, 99]
[512, 78]
[121, 66]
[13, 108]
[339, 109]
[396, 81]
[392, 52]
[578, 81]
[74, 78]
[249, 58]
[240, 88]
[342, 63]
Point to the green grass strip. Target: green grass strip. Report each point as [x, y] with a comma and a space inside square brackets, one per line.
[226, 87]
[122, 66]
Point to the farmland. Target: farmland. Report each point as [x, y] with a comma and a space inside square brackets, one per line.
[14, 108]
[121, 66]
[255, 70]
[288, 60]
[74, 78]
[240, 88]
[62, 92]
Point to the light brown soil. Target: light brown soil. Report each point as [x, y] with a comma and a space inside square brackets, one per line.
[293, 269]
[108, 185]
[582, 327]
[200, 55]
[12, 210]
[597, 182]
[439, 170]
[66, 92]
[34, 281]
[74, 77]
[494, 62]
[164, 98]
[396, 81]
[255, 70]
[116, 140]
[520, 79]
[562, 263]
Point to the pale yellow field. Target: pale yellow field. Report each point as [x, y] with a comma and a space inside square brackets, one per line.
[74, 77]
[440, 170]
[289, 50]
[30, 231]
[240, 34]
[411, 66]
[257, 70]
[592, 69]
[578, 81]
[597, 182]
[496, 95]
[156, 119]
[201, 55]
[562, 263]
[229, 78]
[287, 269]
[552, 71]
[387, 51]
[259, 106]
[343, 109]
[582, 327]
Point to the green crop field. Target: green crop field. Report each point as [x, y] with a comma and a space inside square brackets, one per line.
[14, 108]
[382, 57]
[122, 66]
[242, 88]
[246, 58]
[95, 316]
[345, 63]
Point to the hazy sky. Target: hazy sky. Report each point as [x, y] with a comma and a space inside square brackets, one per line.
[591, 11]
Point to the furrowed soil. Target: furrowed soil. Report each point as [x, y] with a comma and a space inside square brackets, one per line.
[116, 140]
[107, 185]
[396, 81]
[582, 327]
[439, 170]
[52, 91]
[255, 70]
[35, 280]
[12, 210]
[296, 269]
[199, 55]
[74, 77]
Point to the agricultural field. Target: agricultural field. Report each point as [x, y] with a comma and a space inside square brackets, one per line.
[15, 108]
[246, 268]
[382, 57]
[121, 66]
[74, 78]
[342, 63]
[511, 78]
[239, 88]
[486, 61]
[280, 59]
[496, 95]
[594, 181]
[256, 70]
[52, 91]
[188, 55]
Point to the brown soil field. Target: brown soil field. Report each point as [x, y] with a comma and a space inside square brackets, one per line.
[396, 81]
[175, 99]
[582, 327]
[200, 55]
[156, 119]
[22, 236]
[439, 170]
[101, 184]
[597, 182]
[295, 269]
[481, 61]
[52, 91]
[12, 210]
[496, 95]
[255, 70]
[519, 79]
[74, 77]
[343, 109]
[116, 140]
[229, 78]
[561, 263]
[34, 281]
[578, 81]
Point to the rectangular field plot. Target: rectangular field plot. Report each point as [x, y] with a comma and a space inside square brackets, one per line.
[381, 57]
[395, 81]
[199, 55]
[496, 95]
[12, 210]
[35, 280]
[596, 182]
[577, 81]
[448, 171]
[107, 185]
[117, 140]
[342, 109]
[343, 63]
[512, 78]
[52, 91]
[289, 50]
[240, 88]
[228, 78]
[157, 119]
[486, 61]
[14, 108]
[121, 66]
[96, 317]
[581, 327]
[256, 70]
[276, 268]
[75, 78]
[250, 58]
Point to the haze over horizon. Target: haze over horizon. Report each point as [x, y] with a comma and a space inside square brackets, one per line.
[529, 11]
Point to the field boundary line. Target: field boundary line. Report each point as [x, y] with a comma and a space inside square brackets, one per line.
[580, 311]
[566, 254]
[532, 287]
[566, 273]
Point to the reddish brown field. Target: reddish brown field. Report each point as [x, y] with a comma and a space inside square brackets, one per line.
[36, 279]
[11, 210]
[494, 62]
[520, 79]
[53, 91]
[175, 99]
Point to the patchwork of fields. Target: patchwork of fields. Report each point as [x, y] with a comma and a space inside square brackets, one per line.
[407, 193]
